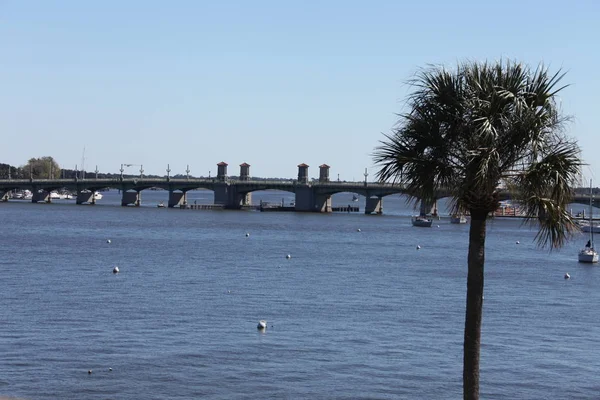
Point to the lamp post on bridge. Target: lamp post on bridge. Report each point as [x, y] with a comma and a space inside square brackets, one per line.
[132, 165]
[168, 172]
[366, 174]
[96, 171]
[187, 172]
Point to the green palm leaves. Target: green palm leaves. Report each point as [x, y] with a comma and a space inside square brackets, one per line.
[482, 125]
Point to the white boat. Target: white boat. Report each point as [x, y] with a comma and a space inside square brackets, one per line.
[422, 221]
[27, 194]
[594, 227]
[97, 195]
[458, 219]
[588, 254]
[354, 198]
[160, 205]
[54, 195]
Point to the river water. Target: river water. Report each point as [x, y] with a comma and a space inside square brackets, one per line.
[352, 314]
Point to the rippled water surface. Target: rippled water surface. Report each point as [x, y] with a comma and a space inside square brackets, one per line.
[350, 315]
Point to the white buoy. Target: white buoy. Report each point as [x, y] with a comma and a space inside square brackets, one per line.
[358, 230]
[108, 241]
[288, 256]
[110, 369]
[262, 324]
[89, 371]
[438, 226]
[418, 247]
[567, 276]
[115, 270]
[517, 242]
[247, 234]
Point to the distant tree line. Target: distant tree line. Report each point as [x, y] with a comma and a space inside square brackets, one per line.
[36, 168]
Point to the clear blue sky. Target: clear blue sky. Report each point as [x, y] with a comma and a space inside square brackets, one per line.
[271, 83]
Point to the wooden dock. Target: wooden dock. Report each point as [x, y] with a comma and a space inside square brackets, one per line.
[250, 207]
[276, 208]
[202, 207]
[346, 209]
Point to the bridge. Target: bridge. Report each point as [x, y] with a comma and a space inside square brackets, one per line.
[310, 196]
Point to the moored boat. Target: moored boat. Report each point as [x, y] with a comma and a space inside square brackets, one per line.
[458, 219]
[587, 227]
[588, 254]
[422, 221]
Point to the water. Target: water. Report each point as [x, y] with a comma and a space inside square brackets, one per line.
[350, 315]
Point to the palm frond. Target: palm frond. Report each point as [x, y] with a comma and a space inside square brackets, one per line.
[545, 189]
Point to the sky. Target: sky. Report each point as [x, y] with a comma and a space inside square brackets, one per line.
[270, 83]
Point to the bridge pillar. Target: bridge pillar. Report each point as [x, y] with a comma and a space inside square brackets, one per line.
[40, 195]
[221, 191]
[374, 205]
[227, 195]
[310, 201]
[134, 198]
[177, 198]
[4, 195]
[246, 199]
[303, 173]
[85, 197]
[304, 198]
[428, 208]
[322, 203]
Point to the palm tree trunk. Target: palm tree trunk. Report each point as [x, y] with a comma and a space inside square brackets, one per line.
[472, 339]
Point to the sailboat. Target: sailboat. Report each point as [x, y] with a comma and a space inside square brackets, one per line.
[458, 219]
[588, 254]
[422, 220]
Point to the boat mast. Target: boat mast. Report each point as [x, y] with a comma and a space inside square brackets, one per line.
[83, 164]
[591, 219]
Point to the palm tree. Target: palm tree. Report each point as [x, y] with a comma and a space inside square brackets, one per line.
[470, 131]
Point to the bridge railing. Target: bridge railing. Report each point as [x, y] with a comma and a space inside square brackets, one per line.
[144, 180]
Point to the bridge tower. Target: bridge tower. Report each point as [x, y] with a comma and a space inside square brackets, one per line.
[303, 173]
[225, 192]
[323, 173]
[222, 171]
[244, 172]
[245, 176]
